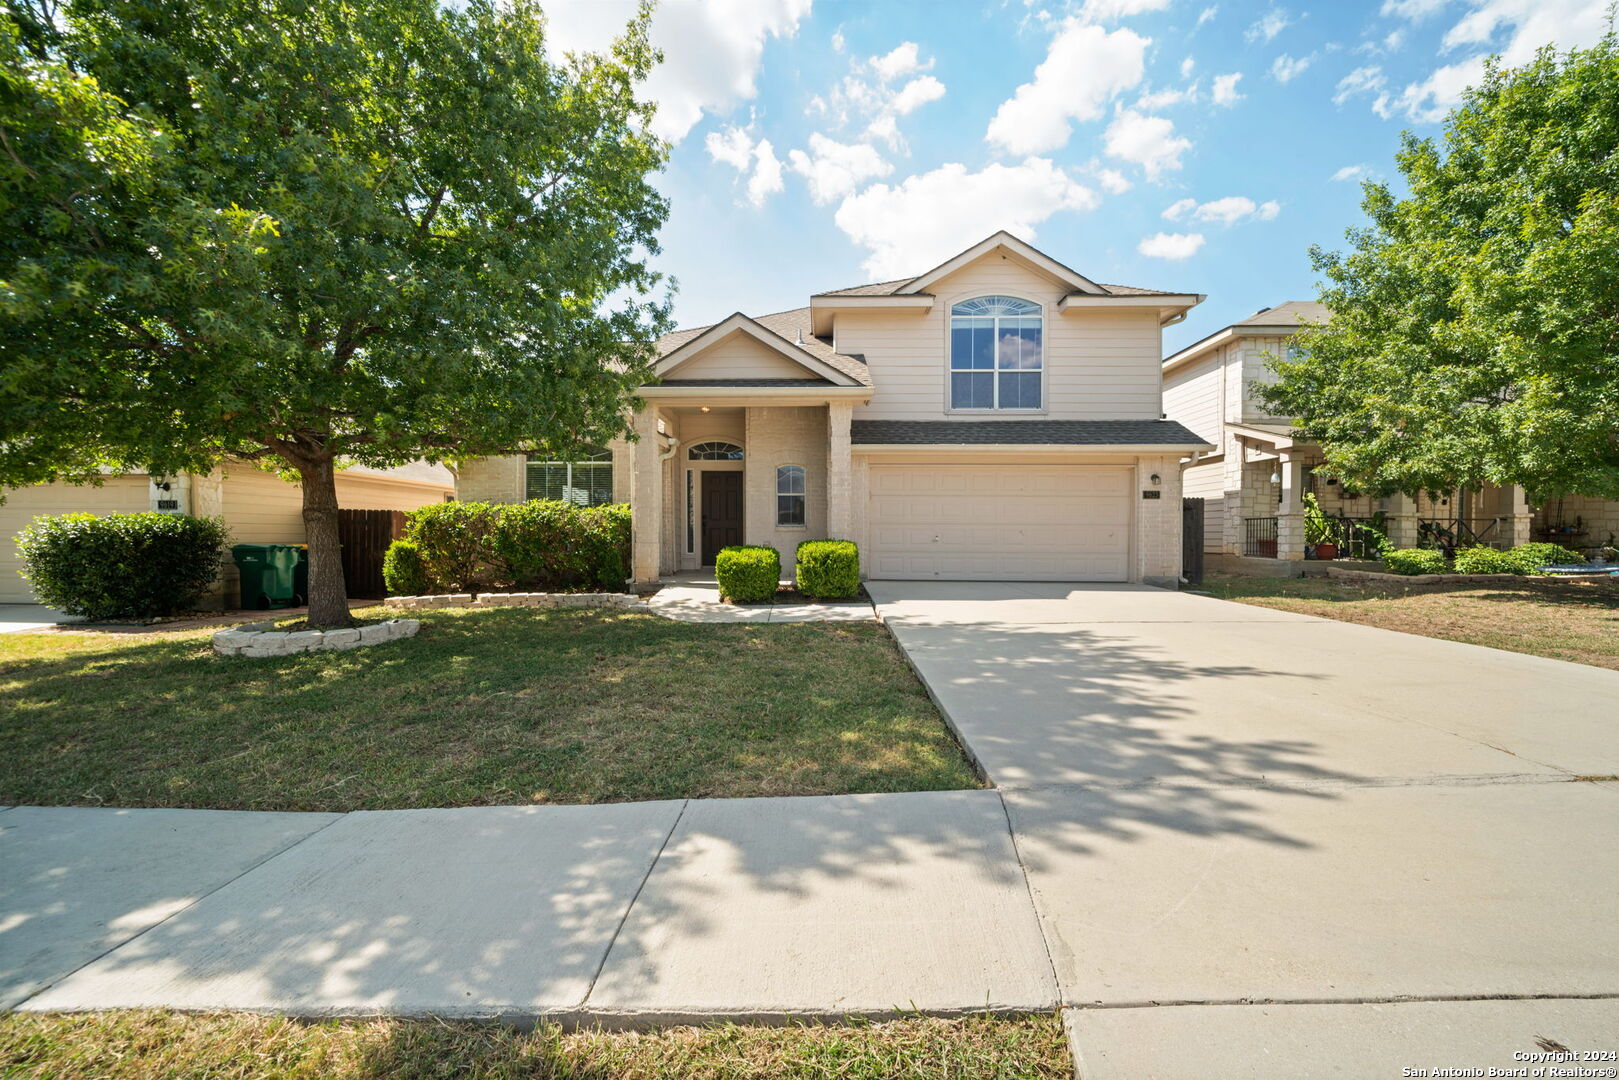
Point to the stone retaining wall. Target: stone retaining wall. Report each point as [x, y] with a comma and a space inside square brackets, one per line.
[519, 599]
[263, 639]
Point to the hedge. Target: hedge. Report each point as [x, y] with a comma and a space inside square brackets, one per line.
[1483, 560]
[122, 566]
[542, 546]
[828, 569]
[748, 574]
[1413, 561]
[1543, 554]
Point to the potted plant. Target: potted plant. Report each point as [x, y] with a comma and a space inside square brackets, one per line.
[1320, 534]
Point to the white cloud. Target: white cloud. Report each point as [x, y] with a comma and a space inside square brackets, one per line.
[711, 52]
[1085, 68]
[735, 147]
[837, 41]
[1173, 246]
[1286, 68]
[928, 217]
[869, 92]
[1148, 141]
[1525, 26]
[1160, 99]
[1226, 211]
[904, 59]
[1105, 10]
[1351, 172]
[836, 169]
[1363, 80]
[1186, 67]
[1268, 25]
[1113, 181]
[1225, 88]
[1412, 9]
[1206, 14]
[886, 128]
[916, 93]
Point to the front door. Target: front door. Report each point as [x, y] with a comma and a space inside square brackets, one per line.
[722, 512]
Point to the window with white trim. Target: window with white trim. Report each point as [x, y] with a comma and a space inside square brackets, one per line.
[714, 451]
[997, 354]
[790, 495]
[587, 480]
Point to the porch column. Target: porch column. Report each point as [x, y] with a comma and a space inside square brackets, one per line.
[839, 467]
[1290, 514]
[1234, 506]
[1402, 520]
[1522, 517]
[646, 499]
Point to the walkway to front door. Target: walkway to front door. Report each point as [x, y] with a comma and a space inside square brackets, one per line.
[722, 512]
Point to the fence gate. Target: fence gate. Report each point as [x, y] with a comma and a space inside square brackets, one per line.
[1192, 540]
[365, 536]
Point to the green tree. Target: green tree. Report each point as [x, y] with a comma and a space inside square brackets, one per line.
[1475, 323]
[311, 234]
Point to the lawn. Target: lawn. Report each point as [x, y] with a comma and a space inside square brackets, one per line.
[168, 1046]
[1565, 620]
[481, 708]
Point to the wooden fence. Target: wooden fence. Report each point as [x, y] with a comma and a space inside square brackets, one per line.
[1192, 540]
[365, 536]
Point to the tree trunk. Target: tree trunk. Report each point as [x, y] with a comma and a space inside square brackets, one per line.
[328, 598]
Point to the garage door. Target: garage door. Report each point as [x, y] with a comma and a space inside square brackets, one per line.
[119, 494]
[999, 522]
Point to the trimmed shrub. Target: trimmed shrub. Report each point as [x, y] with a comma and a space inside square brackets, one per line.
[1483, 560]
[828, 569]
[542, 545]
[1535, 556]
[1413, 561]
[748, 574]
[403, 570]
[122, 566]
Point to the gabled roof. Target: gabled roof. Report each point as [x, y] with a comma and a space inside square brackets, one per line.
[785, 332]
[1283, 320]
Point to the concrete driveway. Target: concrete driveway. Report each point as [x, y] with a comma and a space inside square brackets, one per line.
[1264, 844]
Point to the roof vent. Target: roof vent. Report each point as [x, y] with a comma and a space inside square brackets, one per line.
[800, 340]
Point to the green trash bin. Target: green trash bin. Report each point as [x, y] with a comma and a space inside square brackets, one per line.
[269, 574]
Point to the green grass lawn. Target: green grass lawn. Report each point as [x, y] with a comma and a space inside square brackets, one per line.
[1565, 620]
[486, 707]
[169, 1046]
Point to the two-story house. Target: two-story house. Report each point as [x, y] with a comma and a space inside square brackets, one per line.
[998, 417]
[1253, 484]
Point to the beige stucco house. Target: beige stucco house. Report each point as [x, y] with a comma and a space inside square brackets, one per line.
[996, 417]
[259, 507]
[1253, 484]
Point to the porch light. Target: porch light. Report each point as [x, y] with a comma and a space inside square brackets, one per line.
[1276, 478]
[705, 408]
[1156, 479]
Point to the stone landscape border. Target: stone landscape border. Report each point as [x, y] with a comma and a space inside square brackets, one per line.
[1346, 574]
[516, 599]
[263, 639]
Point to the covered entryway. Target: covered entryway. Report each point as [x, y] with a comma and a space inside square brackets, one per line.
[989, 522]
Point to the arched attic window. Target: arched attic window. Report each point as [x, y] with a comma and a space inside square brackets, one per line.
[997, 354]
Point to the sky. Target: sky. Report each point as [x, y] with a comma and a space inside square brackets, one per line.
[1184, 145]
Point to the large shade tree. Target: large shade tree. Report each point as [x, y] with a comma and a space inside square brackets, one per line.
[1475, 322]
[310, 234]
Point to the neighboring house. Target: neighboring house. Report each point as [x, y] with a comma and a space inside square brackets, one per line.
[1254, 483]
[997, 417]
[259, 507]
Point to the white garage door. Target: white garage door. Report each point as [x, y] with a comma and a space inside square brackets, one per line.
[999, 522]
[119, 494]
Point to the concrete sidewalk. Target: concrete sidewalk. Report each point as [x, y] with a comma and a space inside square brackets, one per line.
[622, 914]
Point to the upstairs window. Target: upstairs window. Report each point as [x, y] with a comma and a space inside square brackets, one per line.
[997, 354]
[587, 480]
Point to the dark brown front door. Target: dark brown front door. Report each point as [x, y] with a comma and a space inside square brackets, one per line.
[722, 512]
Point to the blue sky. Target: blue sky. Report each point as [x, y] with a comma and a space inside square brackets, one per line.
[1172, 144]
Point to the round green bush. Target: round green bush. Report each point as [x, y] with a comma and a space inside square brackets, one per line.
[1413, 561]
[404, 572]
[828, 569]
[122, 566]
[1542, 554]
[748, 574]
[1483, 560]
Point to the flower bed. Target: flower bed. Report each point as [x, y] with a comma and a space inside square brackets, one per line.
[263, 639]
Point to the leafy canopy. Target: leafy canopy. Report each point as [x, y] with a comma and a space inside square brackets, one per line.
[1475, 323]
[306, 231]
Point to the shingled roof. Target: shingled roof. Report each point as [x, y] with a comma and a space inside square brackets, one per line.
[792, 326]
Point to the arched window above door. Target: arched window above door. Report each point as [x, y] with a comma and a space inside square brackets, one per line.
[714, 451]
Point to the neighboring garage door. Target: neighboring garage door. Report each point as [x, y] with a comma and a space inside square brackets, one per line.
[999, 522]
[119, 494]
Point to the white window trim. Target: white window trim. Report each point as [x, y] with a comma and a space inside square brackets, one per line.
[800, 494]
[529, 459]
[950, 368]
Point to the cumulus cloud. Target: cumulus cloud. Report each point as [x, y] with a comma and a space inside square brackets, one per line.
[904, 59]
[1363, 80]
[1268, 25]
[1085, 68]
[1108, 10]
[1225, 88]
[836, 169]
[1160, 99]
[1113, 181]
[926, 218]
[1186, 67]
[916, 93]
[1284, 69]
[879, 89]
[1351, 172]
[711, 52]
[1412, 9]
[735, 147]
[1172, 246]
[1179, 209]
[1227, 211]
[1148, 141]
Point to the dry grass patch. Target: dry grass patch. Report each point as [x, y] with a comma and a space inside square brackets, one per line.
[1564, 620]
[171, 1046]
[480, 708]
